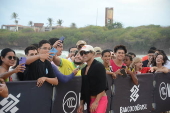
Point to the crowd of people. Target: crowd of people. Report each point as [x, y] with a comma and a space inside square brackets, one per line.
[91, 63]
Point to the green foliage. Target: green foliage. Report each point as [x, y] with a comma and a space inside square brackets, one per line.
[136, 39]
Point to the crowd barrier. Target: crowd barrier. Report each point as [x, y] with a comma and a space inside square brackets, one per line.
[152, 94]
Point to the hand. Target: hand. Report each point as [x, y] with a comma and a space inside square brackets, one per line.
[152, 69]
[75, 71]
[40, 81]
[114, 75]
[80, 109]
[93, 106]
[57, 43]
[45, 56]
[19, 68]
[118, 72]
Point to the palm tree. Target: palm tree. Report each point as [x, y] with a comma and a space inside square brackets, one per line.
[30, 23]
[73, 25]
[50, 20]
[15, 16]
[60, 22]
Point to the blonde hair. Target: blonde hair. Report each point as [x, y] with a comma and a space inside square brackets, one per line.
[135, 60]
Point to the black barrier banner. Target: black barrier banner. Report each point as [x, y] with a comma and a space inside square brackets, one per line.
[130, 98]
[67, 96]
[162, 92]
[26, 97]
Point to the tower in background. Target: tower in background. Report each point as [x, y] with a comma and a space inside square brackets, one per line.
[108, 15]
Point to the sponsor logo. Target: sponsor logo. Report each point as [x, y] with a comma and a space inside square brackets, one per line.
[164, 90]
[138, 107]
[70, 102]
[10, 105]
[134, 90]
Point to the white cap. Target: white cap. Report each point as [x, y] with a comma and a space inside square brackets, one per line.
[97, 49]
[81, 42]
[87, 48]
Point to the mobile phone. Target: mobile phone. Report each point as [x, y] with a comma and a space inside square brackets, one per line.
[54, 51]
[123, 72]
[22, 60]
[78, 67]
[62, 38]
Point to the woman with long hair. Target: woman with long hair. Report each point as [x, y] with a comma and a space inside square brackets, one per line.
[8, 59]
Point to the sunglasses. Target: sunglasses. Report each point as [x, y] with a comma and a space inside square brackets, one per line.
[84, 52]
[12, 57]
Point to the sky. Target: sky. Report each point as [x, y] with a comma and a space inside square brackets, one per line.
[86, 12]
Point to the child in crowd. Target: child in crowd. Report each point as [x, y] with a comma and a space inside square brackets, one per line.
[128, 60]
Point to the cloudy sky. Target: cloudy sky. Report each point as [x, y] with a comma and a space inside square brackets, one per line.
[84, 12]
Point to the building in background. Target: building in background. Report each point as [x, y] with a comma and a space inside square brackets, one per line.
[108, 15]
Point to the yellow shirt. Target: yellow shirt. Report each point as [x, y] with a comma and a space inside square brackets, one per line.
[66, 67]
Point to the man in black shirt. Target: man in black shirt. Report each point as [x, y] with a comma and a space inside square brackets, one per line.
[94, 83]
[39, 68]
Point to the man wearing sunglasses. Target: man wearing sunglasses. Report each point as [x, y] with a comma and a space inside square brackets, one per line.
[94, 83]
[65, 66]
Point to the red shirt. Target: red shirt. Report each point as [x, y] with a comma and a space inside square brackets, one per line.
[114, 66]
[145, 69]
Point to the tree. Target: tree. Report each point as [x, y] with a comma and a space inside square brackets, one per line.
[60, 22]
[15, 16]
[50, 20]
[73, 25]
[114, 25]
[30, 23]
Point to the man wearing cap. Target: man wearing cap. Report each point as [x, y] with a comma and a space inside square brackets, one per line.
[98, 54]
[80, 44]
[94, 83]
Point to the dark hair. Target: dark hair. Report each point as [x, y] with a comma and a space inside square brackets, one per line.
[130, 57]
[120, 47]
[17, 63]
[130, 53]
[71, 48]
[153, 48]
[35, 44]
[43, 42]
[104, 51]
[164, 59]
[53, 40]
[4, 52]
[31, 47]
[151, 51]
[109, 50]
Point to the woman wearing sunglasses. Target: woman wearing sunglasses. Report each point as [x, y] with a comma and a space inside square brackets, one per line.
[8, 59]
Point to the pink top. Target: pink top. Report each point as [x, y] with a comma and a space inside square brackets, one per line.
[114, 66]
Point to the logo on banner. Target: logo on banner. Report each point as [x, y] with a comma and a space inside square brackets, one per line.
[70, 102]
[164, 90]
[10, 105]
[134, 90]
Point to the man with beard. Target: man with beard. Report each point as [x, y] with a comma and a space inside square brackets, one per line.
[64, 65]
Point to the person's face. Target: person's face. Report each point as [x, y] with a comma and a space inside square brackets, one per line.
[86, 55]
[127, 61]
[139, 64]
[106, 57]
[73, 51]
[32, 52]
[45, 48]
[60, 49]
[150, 56]
[159, 59]
[9, 59]
[78, 59]
[120, 54]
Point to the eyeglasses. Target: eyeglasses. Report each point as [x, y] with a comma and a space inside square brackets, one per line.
[84, 52]
[46, 48]
[73, 51]
[12, 57]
